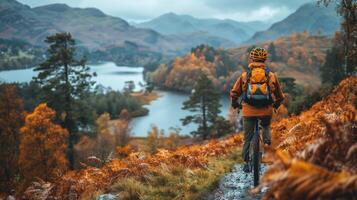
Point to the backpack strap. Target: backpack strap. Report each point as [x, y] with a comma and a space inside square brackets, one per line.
[247, 78]
[267, 74]
[249, 75]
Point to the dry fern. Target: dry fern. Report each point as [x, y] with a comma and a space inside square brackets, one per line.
[323, 143]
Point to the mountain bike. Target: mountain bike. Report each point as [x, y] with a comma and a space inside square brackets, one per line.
[255, 155]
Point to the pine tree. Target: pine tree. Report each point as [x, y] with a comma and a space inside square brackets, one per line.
[11, 120]
[66, 82]
[332, 71]
[204, 105]
[43, 146]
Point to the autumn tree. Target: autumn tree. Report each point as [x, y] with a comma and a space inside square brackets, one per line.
[204, 106]
[11, 120]
[43, 146]
[173, 140]
[105, 141]
[154, 139]
[66, 82]
[99, 148]
[121, 129]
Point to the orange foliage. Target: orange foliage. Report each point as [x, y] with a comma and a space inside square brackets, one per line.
[102, 147]
[11, 120]
[124, 151]
[320, 167]
[297, 179]
[120, 129]
[292, 134]
[105, 141]
[87, 181]
[324, 149]
[299, 56]
[43, 146]
[185, 70]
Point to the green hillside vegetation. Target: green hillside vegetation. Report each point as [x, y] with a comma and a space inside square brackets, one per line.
[16, 54]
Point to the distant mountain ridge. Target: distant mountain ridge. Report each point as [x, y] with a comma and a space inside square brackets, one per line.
[174, 24]
[165, 37]
[92, 29]
[309, 17]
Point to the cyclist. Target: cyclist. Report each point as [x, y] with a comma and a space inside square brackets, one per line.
[259, 91]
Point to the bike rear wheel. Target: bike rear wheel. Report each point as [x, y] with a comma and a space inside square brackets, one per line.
[256, 156]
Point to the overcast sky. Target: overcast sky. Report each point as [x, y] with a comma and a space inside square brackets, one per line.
[141, 10]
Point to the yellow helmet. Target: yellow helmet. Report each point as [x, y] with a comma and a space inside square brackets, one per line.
[258, 54]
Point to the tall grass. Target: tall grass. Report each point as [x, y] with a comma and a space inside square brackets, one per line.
[169, 182]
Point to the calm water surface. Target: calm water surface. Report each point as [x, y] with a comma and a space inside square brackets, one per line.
[165, 112]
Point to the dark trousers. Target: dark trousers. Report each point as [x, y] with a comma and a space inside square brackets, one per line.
[248, 128]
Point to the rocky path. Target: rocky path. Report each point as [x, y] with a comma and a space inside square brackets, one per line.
[235, 185]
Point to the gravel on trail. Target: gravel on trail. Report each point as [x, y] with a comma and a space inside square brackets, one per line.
[235, 185]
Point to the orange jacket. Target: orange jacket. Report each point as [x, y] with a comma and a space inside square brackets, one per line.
[241, 84]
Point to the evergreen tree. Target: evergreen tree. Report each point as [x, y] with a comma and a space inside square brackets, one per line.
[332, 71]
[204, 105]
[347, 10]
[66, 82]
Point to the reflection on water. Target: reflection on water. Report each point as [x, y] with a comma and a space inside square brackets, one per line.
[19, 75]
[109, 75]
[165, 112]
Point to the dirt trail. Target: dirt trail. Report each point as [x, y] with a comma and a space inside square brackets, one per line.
[234, 185]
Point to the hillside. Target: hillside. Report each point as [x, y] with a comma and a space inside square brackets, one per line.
[19, 21]
[309, 17]
[17, 54]
[298, 56]
[93, 29]
[306, 137]
[234, 31]
[317, 149]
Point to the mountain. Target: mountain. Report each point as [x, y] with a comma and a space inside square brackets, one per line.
[173, 24]
[91, 27]
[97, 32]
[21, 22]
[309, 17]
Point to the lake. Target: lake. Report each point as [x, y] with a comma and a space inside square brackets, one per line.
[165, 112]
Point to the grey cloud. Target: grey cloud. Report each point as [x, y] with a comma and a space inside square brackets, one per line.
[139, 10]
[243, 5]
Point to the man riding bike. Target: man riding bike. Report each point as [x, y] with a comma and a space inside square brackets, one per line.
[260, 92]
